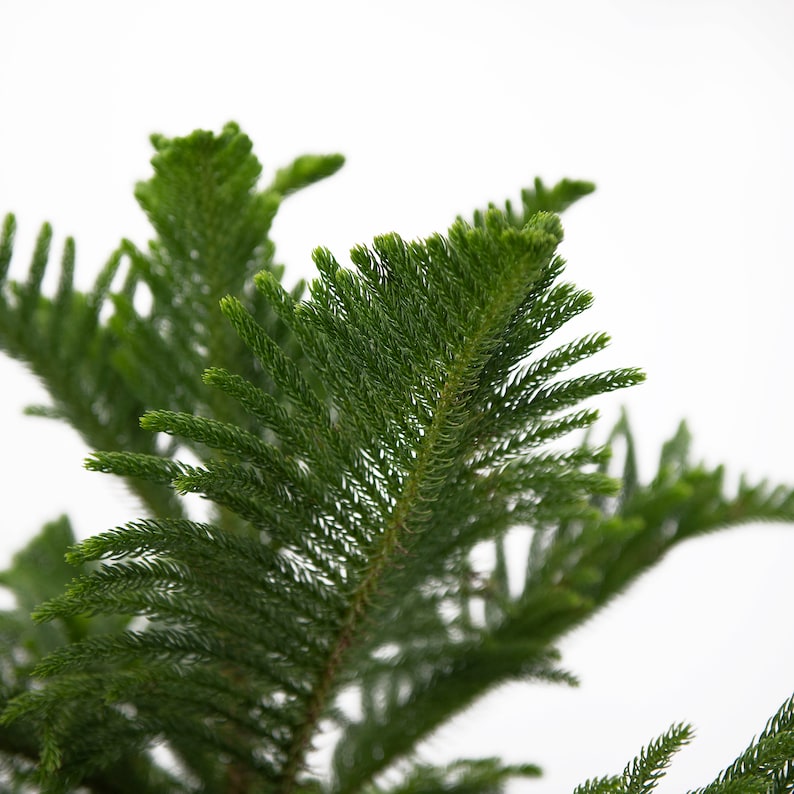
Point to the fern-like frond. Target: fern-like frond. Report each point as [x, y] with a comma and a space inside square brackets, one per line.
[107, 355]
[212, 228]
[64, 342]
[642, 774]
[646, 770]
[540, 198]
[767, 766]
[358, 445]
[598, 554]
[589, 544]
[356, 498]
[39, 572]
[483, 776]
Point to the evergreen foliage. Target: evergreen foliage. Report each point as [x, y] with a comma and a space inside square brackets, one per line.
[359, 447]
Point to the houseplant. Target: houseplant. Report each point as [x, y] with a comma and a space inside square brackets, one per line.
[359, 446]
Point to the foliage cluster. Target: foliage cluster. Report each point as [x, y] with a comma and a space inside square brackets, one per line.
[362, 447]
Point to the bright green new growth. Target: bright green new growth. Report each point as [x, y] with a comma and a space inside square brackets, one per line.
[359, 447]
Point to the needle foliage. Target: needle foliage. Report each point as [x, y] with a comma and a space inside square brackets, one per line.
[363, 446]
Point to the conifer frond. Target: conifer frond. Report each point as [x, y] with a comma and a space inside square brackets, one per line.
[211, 227]
[64, 343]
[358, 445]
[642, 775]
[598, 553]
[541, 199]
[39, 572]
[767, 766]
[365, 493]
[483, 776]
[646, 770]
[601, 785]
[304, 171]
[6, 245]
[101, 374]
[588, 546]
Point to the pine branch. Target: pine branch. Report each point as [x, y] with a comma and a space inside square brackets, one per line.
[484, 776]
[646, 770]
[764, 768]
[360, 506]
[357, 444]
[540, 199]
[39, 572]
[767, 766]
[212, 228]
[576, 567]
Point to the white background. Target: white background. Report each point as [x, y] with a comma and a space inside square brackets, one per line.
[681, 111]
